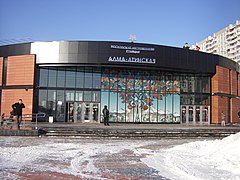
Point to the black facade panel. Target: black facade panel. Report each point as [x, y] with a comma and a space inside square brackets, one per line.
[226, 62]
[15, 50]
[111, 53]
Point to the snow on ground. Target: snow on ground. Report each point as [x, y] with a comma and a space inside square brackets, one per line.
[70, 157]
[173, 159]
[208, 160]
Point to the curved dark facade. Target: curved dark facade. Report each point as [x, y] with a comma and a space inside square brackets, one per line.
[145, 83]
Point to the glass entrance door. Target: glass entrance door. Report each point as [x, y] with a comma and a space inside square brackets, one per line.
[183, 114]
[91, 112]
[82, 112]
[77, 112]
[95, 112]
[191, 114]
[69, 112]
[86, 112]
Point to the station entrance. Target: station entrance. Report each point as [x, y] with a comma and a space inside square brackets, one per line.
[81, 112]
[194, 114]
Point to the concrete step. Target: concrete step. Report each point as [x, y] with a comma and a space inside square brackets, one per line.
[9, 132]
[126, 133]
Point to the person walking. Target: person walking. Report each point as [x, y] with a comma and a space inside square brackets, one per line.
[17, 111]
[223, 119]
[105, 116]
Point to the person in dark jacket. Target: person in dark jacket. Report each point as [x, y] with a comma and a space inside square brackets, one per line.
[17, 110]
[106, 116]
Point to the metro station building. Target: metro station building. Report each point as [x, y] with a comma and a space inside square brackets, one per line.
[140, 83]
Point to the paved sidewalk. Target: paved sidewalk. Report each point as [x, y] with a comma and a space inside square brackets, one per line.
[119, 130]
[132, 126]
[80, 159]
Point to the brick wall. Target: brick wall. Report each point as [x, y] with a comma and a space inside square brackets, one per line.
[20, 70]
[238, 84]
[225, 81]
[233, 82]
[219, 105]
[235, 107]
[11, 96]
[20, 73]
[1, 69]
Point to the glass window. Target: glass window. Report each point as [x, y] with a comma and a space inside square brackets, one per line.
[198, 100]
[104, 101]
[205, 114]
[60, 78]
[156, 93]
[153, 108]
[79, 79]
[138, 85]
[42, 101]
[51, 105]
[146, 84]
[205, 100]
[79, 95]
[206, 84]
[52, 78]
[161, 108]
[87, 96]
[60, 106]
[198, 84]
[122, 84]
[187, 99]
[113, 85]
[43, 77]
[69, 95]
[121, 107]
[70, 79]
[176, 108]
[183, 99]
[95, 96]
[97, 80]
[130, 83]
[184, 84]
[130, 104]
[113, 107]
[190, 85]
[144, 99]
[88, 80]
[169, 108]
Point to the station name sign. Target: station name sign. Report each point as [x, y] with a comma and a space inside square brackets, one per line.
[132, 50]
[132, 60]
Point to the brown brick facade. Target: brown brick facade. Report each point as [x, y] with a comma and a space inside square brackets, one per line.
[10, 96]
[238, 84]
[234, 83]
[19, 73]
[1, 70]
[20, 70]
[225, 86]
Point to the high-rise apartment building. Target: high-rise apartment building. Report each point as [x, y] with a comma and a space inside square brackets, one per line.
[225, 42]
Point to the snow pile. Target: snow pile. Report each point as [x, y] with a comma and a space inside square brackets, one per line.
[210, 160]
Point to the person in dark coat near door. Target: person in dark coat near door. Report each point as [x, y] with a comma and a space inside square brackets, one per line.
[106, 116]
[17, 111]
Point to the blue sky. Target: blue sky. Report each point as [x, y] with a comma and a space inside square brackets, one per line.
[167, 22]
